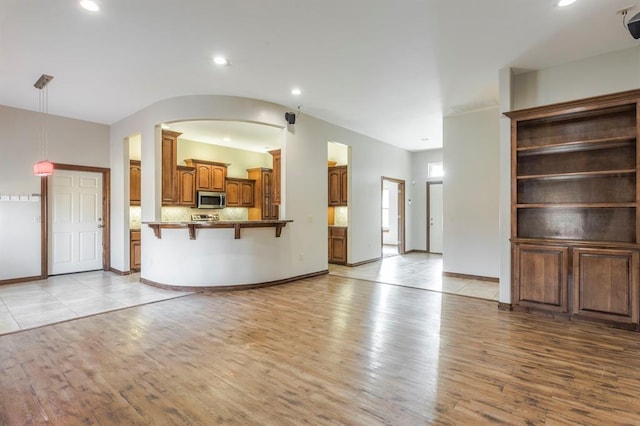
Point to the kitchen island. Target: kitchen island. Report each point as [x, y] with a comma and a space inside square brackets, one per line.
[206, 255]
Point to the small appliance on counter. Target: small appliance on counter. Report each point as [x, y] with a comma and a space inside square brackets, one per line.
[200, 217]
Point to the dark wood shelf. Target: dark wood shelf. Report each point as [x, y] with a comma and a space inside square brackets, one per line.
[577, 175]
[576, 243]
[580, 145]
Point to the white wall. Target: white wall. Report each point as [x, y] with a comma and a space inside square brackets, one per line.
[418, 187]
[304, 177]
[471, 193]
[598, 75]
[70, 142]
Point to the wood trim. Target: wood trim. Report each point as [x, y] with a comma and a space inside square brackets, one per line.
[364, 262]
[44, 227]
[191, 162]
[232, 287]
[585, 104]
[20, 280]
[106, 214]
[471, 277]
[437, 182]
[502, 306]
[402, 234]
[119, 272]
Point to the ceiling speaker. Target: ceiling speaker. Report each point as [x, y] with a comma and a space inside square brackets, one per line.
[290, 117]
[634, 26]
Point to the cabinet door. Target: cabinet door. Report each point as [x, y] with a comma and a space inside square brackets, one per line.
[186, 186]
[203, 177]
[541, 277]
[334, 187]
[246, 193]
[218, 176]
[606, 284]
[233, 193]
[134, 183]
[338, 245]
[169, 167]
[135, 257]
[343, 187]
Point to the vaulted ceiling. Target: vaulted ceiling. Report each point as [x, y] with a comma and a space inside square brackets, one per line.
[387, 69]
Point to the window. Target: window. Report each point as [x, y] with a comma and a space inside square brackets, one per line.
[435, 170]
[385, 209]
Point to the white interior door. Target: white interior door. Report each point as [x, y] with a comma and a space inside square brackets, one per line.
[435, 218]
[75, 222]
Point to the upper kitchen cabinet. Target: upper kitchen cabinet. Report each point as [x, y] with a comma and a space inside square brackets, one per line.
[169, 167]
[338, 186]
[134, 182]
[186, 186]
[240, 192]
[276, 183]
[210, 176]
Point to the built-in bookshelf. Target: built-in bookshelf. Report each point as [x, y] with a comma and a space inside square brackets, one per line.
[575, 208]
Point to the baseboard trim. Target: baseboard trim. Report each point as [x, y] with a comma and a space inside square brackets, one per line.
[21, 280]
[502, 306]
[232, 287]
[119, 272]
[364, 262]
[416, 251]
[470, 277]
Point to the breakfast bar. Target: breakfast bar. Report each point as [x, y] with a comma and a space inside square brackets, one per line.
[218, 254]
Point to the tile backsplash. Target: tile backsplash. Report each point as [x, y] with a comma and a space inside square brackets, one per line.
[183, 214]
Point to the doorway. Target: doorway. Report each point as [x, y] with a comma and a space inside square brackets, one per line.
[435, 217]
[76, 220]
[393, 217]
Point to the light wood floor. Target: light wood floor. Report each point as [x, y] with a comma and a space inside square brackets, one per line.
[322, 351]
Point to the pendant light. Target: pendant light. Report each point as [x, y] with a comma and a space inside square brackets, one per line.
[44, 167]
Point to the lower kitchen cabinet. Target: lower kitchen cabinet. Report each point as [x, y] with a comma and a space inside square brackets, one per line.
[135, 251]
[337, 245]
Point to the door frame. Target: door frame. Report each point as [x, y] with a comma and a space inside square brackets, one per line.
[401, 212]
[106, 215]
[435, 182]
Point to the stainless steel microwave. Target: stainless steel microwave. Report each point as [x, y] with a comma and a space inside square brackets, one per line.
[211, 200]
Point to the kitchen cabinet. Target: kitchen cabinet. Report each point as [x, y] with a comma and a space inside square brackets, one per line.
[186, 186]
[337, 178]
[276, 182]
[337, 245]
[134, 182]
[575, 208]
[135, 246]
[210, 176]
[240, 192]
[263, 208]
[169, 167]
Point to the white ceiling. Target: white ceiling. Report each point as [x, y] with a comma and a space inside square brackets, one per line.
[389, 69]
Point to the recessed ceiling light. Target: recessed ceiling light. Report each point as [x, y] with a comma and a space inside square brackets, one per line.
[220, 60]
[565, 3]
[226, 139]
[296, 91]
[90, 5]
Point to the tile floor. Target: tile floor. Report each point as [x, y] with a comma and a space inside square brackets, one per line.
[64, 297]
[418, 270]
